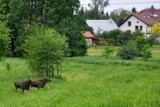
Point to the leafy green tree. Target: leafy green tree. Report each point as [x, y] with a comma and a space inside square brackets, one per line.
[134, 10]
[4, 40]
[4, 33]
[71, 30]
[97, 9]
[45, 51]
[58, 10]
[152, 7]
[119, 15]
[23, 15]
[143, 47]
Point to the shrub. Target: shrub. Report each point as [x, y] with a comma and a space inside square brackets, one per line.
[113, 34]
[137, 33]
[124, 37]
[142, 45]
[127, 52]
[153, 38]
[108, 51]
[146, 54]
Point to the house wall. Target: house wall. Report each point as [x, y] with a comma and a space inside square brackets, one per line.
[89, 41]
[135, 22]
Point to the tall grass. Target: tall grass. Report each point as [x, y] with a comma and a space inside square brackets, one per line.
[90, 81]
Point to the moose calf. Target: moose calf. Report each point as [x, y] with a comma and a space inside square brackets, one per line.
[24, 85]
[40, 83]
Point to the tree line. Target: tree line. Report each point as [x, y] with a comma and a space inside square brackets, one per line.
[21, 17]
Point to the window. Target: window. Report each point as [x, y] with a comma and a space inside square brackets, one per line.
[141, 27]
[136, 27]
[129, 23]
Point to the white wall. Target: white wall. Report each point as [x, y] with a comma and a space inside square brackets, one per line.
[135, 22]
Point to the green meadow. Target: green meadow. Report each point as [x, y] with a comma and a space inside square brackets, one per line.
[88, 81]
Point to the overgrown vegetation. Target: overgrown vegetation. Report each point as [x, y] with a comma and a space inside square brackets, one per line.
[97, 82]
[108, 51]
[128, 52]
[23, 15]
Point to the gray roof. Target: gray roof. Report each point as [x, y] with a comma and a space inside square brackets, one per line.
[102, 25]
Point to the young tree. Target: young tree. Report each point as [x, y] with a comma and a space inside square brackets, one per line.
[97, 9]
[45, 51]
[134, 10]
[155, 28]
[119, 15]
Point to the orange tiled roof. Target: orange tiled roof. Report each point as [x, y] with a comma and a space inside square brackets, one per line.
[88, 34]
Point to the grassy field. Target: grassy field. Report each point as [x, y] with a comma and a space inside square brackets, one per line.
[89, 81]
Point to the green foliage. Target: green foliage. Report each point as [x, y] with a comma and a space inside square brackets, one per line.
[71, 30]
[143, 47]
[119, 15]
[137, 33]
[134, 10]
[124, 37]
[128, 52]
[58, 10]
[113, 34]
[96, 10]
[146, 54]
[96, 83]
[8, 67]
[153, 38]
[108, 51]
[45, 51]
[120, 37]
[4, 40]
[22, 15]
[4, 33]
[141, 44]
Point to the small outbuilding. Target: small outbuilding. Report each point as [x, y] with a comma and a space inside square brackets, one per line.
[90, 39]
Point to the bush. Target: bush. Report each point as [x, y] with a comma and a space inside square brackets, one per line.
[153, 38]
[146, 54]
[108, 51]
[113, 34]
[137, 33]
[127, 52]
[124, 37]
[142, 45]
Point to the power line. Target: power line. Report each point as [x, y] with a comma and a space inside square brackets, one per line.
[134, 3]
[119, 3]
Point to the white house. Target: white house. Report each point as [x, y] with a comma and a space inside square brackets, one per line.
[143, 21]
[100, 26]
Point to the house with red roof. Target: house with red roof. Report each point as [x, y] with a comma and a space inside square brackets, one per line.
[143, 21]
[90, 39]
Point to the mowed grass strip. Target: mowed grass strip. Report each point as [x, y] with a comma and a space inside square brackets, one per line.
[90, 81]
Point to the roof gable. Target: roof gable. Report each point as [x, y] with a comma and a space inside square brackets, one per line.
[147, 16]
[88, 34]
